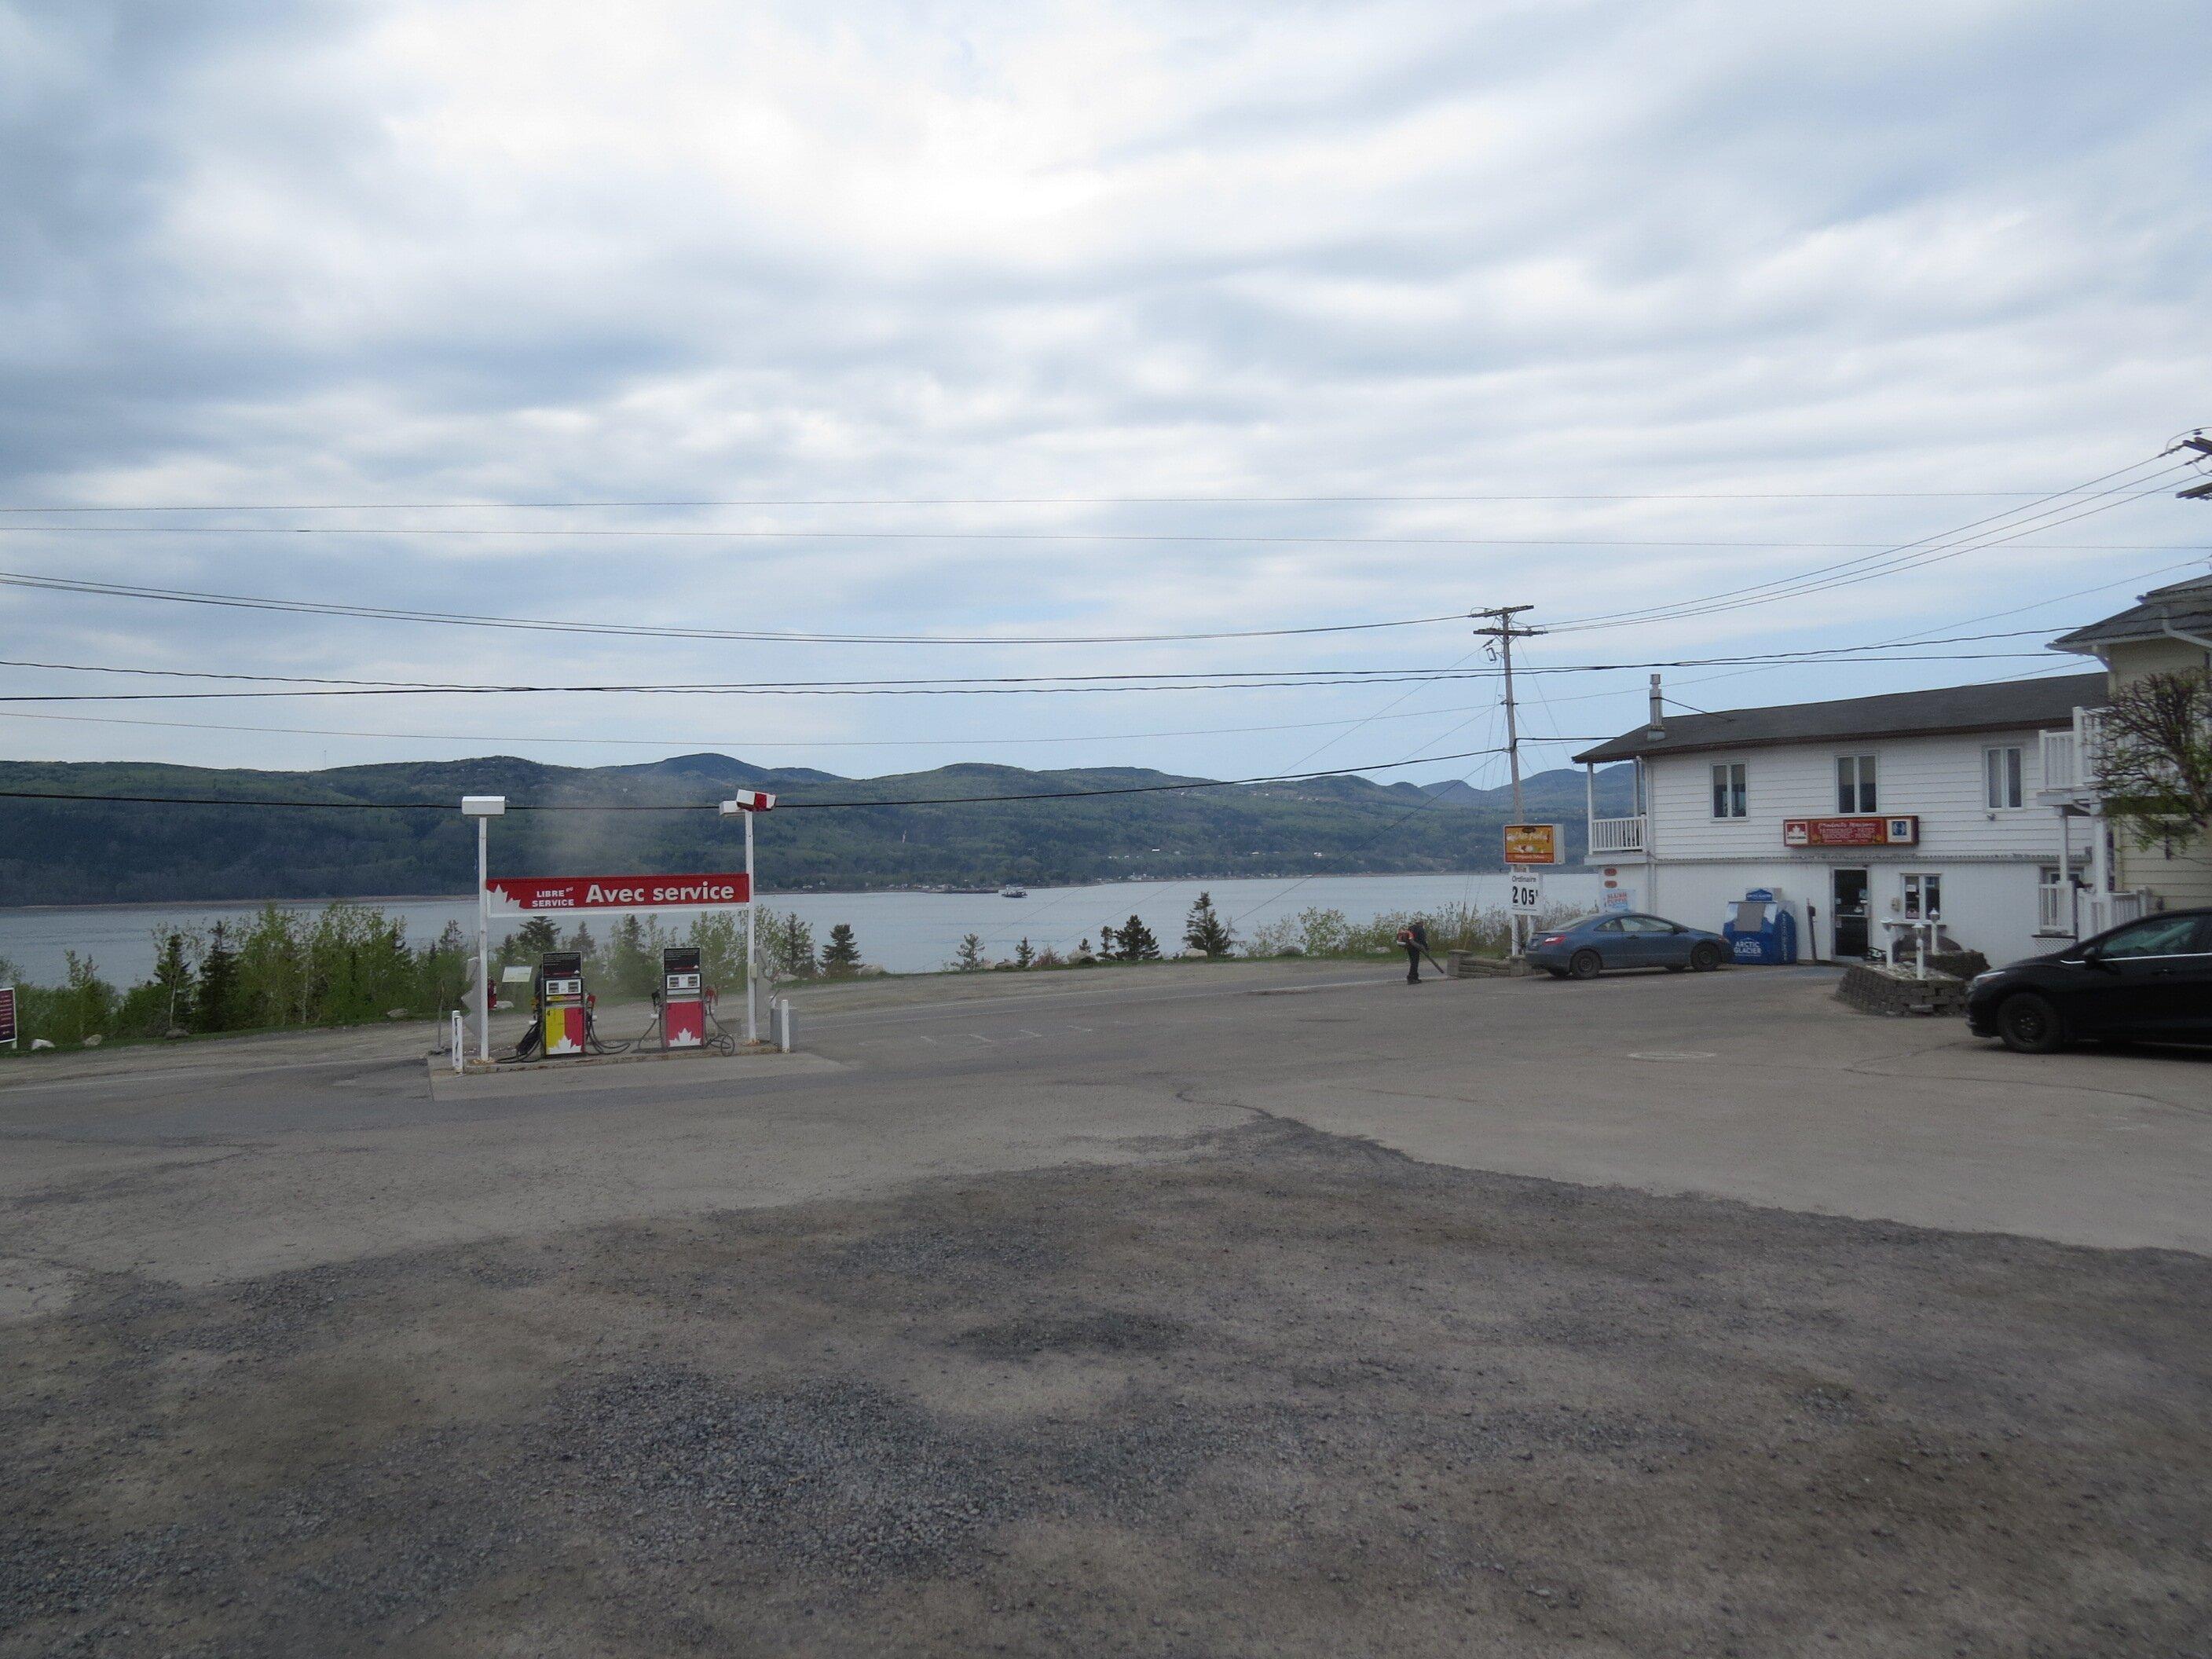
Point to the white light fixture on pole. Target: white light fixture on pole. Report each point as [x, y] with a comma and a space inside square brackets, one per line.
[745, 803]
[483, 809]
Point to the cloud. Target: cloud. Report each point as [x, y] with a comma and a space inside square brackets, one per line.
[495, 252]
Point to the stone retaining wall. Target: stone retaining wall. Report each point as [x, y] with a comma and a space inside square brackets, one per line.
[1873, 990]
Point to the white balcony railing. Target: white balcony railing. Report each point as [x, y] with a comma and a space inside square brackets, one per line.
[1616, 834]
[2069, 755]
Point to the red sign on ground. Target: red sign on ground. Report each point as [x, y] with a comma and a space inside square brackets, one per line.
[1902, 831]
[7, 1014]
[620, 892]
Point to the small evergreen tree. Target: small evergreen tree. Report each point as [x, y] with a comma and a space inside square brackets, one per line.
[216, 997]
[1204, 931]
[581, 942]
[1137, 944]
[969, 958]
[792, 947]
[632, 967]
[1110, 944]
[842, 955]
[1024, 956]
[537, 935]
[174, 974]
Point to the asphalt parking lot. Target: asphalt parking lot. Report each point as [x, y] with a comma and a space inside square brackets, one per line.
[1251, 1309]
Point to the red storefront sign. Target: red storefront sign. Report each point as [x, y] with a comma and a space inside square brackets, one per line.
[621, 892]
[1869, 831]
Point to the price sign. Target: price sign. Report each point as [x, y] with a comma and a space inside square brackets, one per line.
[1525, 896]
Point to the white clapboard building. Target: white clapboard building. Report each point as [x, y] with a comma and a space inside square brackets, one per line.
[1919, 804]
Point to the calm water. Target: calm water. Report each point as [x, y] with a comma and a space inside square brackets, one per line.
[906, 932]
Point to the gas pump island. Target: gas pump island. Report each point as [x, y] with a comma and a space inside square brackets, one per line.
[563, 1023]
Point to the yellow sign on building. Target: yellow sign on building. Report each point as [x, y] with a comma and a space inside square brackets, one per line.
[1532, 843]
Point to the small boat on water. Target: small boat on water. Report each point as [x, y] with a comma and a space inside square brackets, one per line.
[1012, 891]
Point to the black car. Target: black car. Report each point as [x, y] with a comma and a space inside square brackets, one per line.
[2148, 981]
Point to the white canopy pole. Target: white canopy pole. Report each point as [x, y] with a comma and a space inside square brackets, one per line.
[483, 809]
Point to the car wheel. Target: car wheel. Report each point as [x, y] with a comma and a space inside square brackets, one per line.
[2029, 1024]
[1585, 964]
[1705, 957]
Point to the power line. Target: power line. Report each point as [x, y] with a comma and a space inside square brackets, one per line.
[1993, 531]
[1322, 679]
[736, 742]
[467, 619]
[854, 535]
[1011, 501]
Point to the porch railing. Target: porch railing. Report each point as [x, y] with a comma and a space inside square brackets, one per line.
[2103, 910]
[1616, 834]
[2070, 755]
[2054, 907]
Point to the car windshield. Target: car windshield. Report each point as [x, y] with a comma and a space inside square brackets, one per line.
[2167, 936]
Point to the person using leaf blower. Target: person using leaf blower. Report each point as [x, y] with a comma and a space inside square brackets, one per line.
[1415, 938]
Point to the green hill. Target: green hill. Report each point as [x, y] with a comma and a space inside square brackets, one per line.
[68, 852]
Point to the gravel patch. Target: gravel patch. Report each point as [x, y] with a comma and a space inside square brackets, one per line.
[1275, 1393]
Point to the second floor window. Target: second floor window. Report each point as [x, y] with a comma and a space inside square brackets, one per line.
[1728, 800]
[2001, 777]
[1854, 790]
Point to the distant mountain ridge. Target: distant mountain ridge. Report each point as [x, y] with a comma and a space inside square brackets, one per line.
[58, 852]
[1559, 790]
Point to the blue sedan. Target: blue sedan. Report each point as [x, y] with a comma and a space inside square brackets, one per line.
[1585, 948]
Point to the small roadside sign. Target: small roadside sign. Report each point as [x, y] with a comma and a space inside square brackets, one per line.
[1532, 843]
[1525, 896]
[8, 1015]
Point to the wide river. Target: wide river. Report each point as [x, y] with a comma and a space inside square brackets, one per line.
[905, 932]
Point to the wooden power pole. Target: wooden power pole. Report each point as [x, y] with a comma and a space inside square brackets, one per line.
[1505, 631]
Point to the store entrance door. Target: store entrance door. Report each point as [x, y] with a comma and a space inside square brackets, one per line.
[1850, 913]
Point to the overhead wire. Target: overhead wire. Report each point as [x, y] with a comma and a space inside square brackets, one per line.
[1001, 501]
[1998, 530]
[628, 631]
[283, 686]
[1150, 536]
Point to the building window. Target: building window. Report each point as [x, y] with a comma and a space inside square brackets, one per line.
[1923, 898]
[1854, 790]
[1728, 800]
[2000, 776]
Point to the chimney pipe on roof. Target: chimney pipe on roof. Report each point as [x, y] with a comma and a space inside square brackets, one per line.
[1655, 727]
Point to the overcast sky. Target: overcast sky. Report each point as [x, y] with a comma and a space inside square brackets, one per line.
[264, 255]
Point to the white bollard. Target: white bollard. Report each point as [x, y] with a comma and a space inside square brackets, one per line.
[783, 1024]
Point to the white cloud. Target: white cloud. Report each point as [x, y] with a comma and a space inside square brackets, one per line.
[453, 251]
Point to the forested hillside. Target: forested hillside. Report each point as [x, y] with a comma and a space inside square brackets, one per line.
[67, 852]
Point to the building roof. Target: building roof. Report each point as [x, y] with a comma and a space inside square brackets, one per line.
[2185, 605]
[2008, 703]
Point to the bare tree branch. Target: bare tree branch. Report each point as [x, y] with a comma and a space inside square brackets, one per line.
[2154, 766]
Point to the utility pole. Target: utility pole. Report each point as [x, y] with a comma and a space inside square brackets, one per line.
[2203, 444]
[1505, 632]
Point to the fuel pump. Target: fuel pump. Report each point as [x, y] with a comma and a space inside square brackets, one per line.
[683, 999]
[563, 1010]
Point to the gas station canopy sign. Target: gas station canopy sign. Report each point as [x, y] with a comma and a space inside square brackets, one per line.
[1851, 832]
[1532, 843]
[620, 892]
